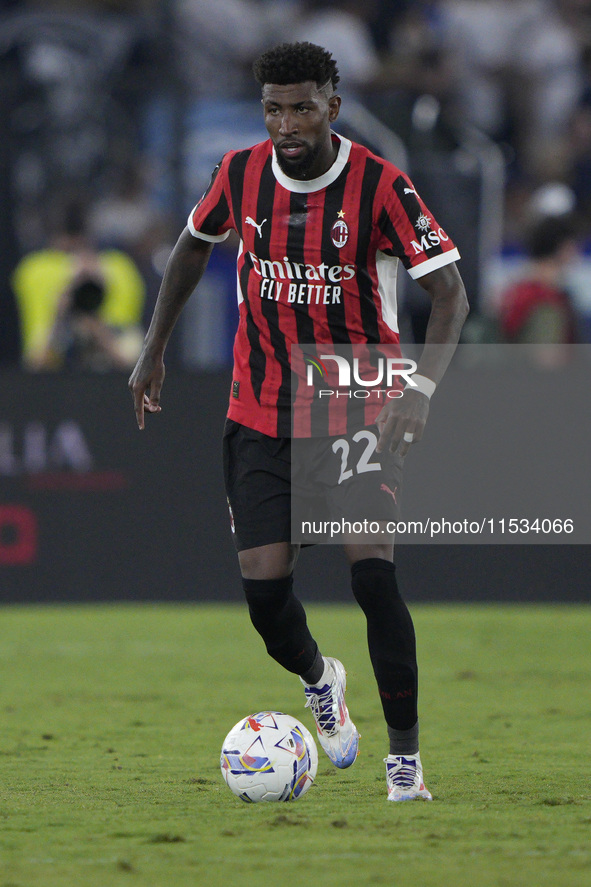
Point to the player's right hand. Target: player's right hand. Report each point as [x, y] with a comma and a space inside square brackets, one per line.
[145, 384]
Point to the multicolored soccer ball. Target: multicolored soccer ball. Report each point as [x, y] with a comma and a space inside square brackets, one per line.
[269, 756]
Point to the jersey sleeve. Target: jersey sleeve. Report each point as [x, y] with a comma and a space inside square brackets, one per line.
[409, 231]
[212, 218]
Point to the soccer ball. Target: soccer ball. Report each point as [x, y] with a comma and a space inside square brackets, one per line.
[269, 756]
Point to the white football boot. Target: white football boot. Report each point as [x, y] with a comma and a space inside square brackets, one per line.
[337, 734]
[404, 778]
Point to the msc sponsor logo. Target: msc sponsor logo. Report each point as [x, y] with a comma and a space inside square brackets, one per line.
[429, 240]
[423, 223]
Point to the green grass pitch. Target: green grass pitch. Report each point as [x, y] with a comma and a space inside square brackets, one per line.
[112, 719]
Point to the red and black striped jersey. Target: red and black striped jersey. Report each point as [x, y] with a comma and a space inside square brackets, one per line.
[317, 262]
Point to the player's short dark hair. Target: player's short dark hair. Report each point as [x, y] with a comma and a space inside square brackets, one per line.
[546, 236]
[296, 63]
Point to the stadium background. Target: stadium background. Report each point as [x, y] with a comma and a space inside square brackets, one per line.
[125, 107]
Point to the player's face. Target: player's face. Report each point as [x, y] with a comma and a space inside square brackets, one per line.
[298, 118]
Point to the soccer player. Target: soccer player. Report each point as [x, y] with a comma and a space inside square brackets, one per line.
[283, 197]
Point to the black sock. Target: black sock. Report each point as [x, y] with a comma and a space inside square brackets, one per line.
[391, 640]
[404, 742]
[280, 619]
[315, 672]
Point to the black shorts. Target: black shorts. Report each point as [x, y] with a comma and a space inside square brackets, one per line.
[330, 480]
[257, 473]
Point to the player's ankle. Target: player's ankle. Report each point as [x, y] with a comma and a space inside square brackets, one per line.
[316, 674]
[404, 742]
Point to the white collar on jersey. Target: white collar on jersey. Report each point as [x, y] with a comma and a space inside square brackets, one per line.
[327, 178]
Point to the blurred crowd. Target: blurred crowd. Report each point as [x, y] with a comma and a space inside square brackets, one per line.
[110, 110]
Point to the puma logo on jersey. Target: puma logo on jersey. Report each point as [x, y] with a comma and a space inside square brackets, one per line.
[410, 191]
[252, 222]
[393, 492]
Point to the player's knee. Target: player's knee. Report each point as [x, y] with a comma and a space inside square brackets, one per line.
[274, 610]
[356, 553]
[268, 562]
[266, 598]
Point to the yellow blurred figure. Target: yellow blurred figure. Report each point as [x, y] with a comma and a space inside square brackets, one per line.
[45, 284]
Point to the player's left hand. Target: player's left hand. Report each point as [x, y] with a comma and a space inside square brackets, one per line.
[402, 421]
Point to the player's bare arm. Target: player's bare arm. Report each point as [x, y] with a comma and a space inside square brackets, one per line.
[402, 421]
[184, 270]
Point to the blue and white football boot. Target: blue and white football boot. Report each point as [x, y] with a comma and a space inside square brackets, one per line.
[404, 778]
[337, 734]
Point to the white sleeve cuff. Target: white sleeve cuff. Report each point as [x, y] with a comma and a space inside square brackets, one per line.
[433, 264]
[212, 238]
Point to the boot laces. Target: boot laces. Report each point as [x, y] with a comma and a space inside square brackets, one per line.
[403, 774]
[324, 707]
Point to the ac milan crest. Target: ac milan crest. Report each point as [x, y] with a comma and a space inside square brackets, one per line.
[339, 233]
